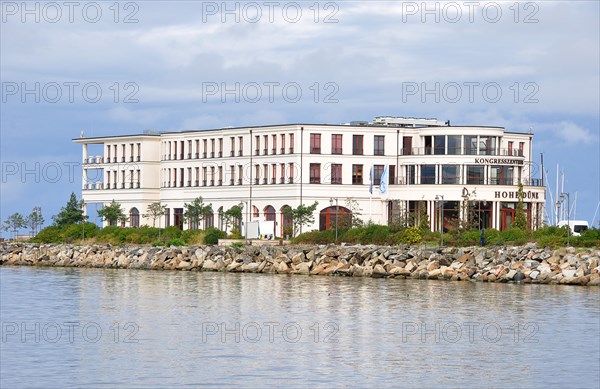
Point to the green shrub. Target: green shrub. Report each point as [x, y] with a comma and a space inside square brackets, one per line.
[51, 234]
[171, 232]
[237, 245]
[515, 236]
[175, 242]
[410, 235]
[158, 244]
[212, 235]
[315, 237]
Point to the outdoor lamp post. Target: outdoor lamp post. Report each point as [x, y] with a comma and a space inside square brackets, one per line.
[441, 197]
[336, 216]
[562, 197]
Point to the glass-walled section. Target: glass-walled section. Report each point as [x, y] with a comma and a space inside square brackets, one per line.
[460, 145]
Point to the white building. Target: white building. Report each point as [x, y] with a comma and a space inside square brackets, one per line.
[433, 168]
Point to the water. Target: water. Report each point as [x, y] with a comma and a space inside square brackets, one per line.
[123, 328]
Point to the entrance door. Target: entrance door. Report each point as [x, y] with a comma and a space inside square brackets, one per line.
[507, 216]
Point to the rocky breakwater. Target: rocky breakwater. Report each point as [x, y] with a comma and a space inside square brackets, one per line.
[525, 264]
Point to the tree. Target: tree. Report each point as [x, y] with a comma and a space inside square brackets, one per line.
[355, 221]
[14, 223]
[155, 211]
[301, 215]
[72, 213]
[233, 217]
[196, 211]
[520, 217]
[35, 220]
[112, 213]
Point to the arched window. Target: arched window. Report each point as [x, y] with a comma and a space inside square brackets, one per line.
[329, 215]
[209, 220]
[255, 213]
[269, 213]
[134, 217]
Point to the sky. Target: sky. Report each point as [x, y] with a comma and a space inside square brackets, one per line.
[106, 68]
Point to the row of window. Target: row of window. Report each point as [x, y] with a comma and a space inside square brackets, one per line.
[126, 179]
[275, 173]
[214, 147]
[131, 152]
[357, 144]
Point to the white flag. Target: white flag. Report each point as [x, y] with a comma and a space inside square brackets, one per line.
[383, 184]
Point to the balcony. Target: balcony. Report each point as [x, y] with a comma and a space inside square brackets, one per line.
[256, 152]
[240, 181]
[240, 153]
[231, 182]
[232, 153]
[212, 154]
[282, 150]
[273, 150]
[264, 181]
[265, 151]
[220, 183]
[94, 160]
[196, 183]
[138, 159]
[131, 159]
[315, 150]
[291, 150]
[203, 182]
[197, 155]
[204, 154]
[189, 183]
[273, 180]
[461, 151]
[291, 180]
[282, 180]
[256, 181]
[220, 154]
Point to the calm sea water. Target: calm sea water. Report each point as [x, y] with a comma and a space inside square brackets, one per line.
[123, 328]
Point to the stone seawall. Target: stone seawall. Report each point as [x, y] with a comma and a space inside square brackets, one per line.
[526, 264]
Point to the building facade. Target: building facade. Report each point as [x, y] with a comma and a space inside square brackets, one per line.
[435, 173]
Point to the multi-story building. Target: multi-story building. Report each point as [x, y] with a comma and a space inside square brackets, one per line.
[437, 173]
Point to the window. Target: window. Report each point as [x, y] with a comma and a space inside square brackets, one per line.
[257, 145]
[205, 148]
[470, 145]
[291, 173]
[521, 149]
[240, 146]
[410, 174]
[487, 145]
[501, 175]
[315, 143]
[336, 173]
[377, 172]
[357, 174]
[134, 217]
[379, 145]
[282, 143]
[427, 174]
[454, 144]
[510, 148]
[357, 145]
[315, 173]
[291, 143]
[439, 144]
[266, 145]
[450, 174]
[336, 144]
[407, 145]
[392, 175]
[274, 145]
[474, 175]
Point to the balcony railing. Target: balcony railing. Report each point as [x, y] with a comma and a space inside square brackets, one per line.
[461, 151]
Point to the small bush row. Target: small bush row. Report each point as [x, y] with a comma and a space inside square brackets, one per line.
[553, 237]
[90, 233]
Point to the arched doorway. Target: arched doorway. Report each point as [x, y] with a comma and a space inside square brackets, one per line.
[329, 215]
[134, 217]
[269, 212]
[286, 221]
[255, 212]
